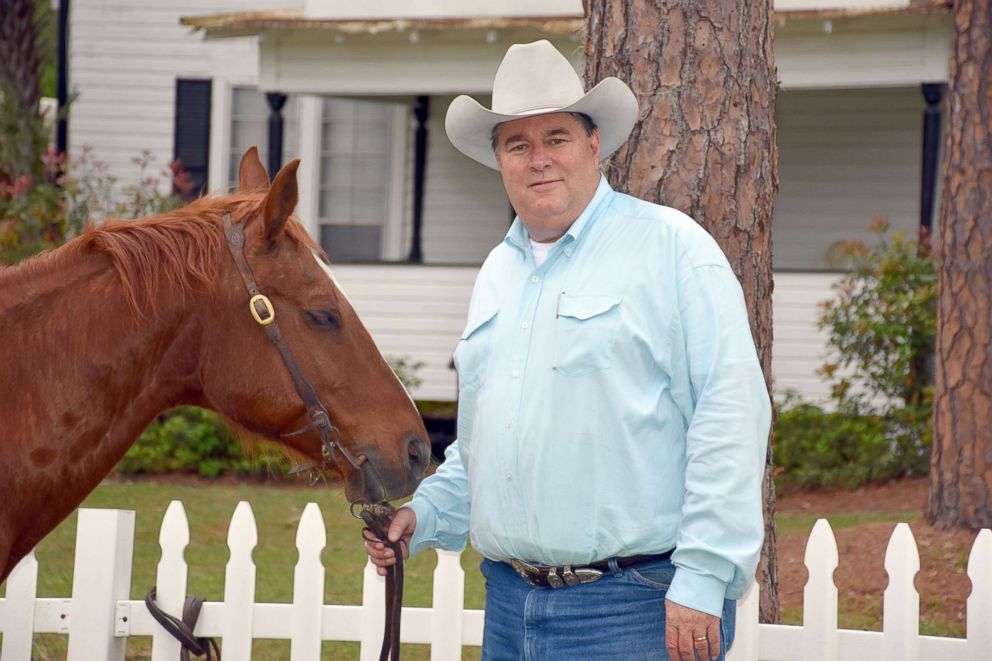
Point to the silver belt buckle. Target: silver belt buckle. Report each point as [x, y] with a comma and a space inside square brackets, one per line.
[580, 575]
[524, 570]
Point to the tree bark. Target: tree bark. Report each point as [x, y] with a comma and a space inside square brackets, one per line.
[704, 75]
[961, 464]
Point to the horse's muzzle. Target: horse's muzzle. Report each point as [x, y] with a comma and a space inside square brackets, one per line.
[380, 480]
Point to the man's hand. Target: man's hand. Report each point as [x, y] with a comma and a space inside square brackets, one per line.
[401, 529]
[691, 635]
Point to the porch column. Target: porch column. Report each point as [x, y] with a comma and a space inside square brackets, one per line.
[934, 95]
[276, 102]
[420, 111]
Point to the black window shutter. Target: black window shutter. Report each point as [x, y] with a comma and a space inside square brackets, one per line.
[192, 133]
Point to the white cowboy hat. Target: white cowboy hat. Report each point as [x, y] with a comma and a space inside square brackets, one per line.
[535, 79]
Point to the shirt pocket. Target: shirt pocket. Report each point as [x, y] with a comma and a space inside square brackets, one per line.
[474, 347]
[585, 330]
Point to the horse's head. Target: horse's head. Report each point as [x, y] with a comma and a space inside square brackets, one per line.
[379, 445]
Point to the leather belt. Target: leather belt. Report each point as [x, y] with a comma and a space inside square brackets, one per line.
[543, 576]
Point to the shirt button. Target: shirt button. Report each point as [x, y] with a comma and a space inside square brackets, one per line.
[508, 477]
[525, 325]
[534, 279]
[515, 373]
[508, 425]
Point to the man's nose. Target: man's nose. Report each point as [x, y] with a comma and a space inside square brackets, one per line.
[539, 158]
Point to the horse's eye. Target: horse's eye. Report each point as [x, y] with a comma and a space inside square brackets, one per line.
[323, 318]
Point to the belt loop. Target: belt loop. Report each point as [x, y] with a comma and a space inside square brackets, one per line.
[614, 567]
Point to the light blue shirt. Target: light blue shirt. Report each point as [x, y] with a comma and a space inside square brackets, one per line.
[611, 404]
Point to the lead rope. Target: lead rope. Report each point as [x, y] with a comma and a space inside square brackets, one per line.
[377, 518]
[182, 630]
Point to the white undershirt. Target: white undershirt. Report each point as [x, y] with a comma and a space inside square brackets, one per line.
[541, 251]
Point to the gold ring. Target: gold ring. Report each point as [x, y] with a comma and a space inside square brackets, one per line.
[700, 639]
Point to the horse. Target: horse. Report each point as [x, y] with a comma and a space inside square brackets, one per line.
[132, 318]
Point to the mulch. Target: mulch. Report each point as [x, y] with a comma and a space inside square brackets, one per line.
[860, 577]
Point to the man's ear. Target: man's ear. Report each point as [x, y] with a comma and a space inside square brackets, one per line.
[597, 146]
[280, 201]
[252, 177]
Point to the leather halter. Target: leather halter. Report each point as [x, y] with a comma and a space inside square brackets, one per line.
[265, 315]
[375, 516]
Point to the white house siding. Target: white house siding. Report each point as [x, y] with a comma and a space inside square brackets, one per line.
[125, 58]
[798, 348]
[415, 313]
[845, 156]
[466, 211]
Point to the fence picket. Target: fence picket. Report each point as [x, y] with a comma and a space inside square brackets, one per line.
[170, 579]
[448, 604]
[17, 610]
[745, 646]
[101, 577]
[373, 613]
[820, 594]
[239, 585]
[901, 603]
[979, 630]
[308, 586]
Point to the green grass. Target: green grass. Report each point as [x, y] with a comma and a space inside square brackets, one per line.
[277, 512]
[791, 523]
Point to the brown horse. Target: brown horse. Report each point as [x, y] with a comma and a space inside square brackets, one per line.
[135, 317]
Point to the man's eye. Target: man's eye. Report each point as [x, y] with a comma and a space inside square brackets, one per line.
[323, 319]
[518, 147]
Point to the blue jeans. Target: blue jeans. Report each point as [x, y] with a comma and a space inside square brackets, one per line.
[620, 616]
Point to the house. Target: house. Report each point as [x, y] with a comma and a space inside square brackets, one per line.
[361, 90]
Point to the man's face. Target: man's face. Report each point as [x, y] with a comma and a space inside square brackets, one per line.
[550, 170]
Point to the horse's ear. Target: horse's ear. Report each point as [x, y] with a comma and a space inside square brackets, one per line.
[252, 176]
[280, 201]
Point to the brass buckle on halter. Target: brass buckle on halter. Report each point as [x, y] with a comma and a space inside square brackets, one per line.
[267, 314]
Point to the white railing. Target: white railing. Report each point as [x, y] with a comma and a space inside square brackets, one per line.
[99, 616]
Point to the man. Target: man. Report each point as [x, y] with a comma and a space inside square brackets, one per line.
[612, 412]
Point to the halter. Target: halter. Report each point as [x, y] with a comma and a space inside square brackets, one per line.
[265, 315]
[375, 516]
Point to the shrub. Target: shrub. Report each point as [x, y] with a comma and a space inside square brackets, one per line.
[37, 216]
[193, 440]
[881, 328]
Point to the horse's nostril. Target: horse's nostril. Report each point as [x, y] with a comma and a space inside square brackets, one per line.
[419, 454]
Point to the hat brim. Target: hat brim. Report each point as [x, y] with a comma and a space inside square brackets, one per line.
[610, 104]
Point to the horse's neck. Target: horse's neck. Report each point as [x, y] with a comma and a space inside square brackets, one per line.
[84, 375]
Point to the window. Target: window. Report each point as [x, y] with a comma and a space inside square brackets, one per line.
[250, 126]
[191, 136]
[357, 208]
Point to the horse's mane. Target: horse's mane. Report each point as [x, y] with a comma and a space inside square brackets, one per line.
[180, 250]
[177, 249]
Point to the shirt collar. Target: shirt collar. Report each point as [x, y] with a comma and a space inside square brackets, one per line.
[517, 234]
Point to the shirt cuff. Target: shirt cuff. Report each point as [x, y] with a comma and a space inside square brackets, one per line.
[425, 534]
[700, 592]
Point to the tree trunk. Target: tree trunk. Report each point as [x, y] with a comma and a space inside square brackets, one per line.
[961, 465]
[704, 75]
[20, 90]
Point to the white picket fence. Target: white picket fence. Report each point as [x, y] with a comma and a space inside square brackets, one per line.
[99, 616]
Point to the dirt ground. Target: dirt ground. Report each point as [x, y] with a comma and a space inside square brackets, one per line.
[861, 579]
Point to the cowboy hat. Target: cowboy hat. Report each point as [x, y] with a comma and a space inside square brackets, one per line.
[535, 79]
